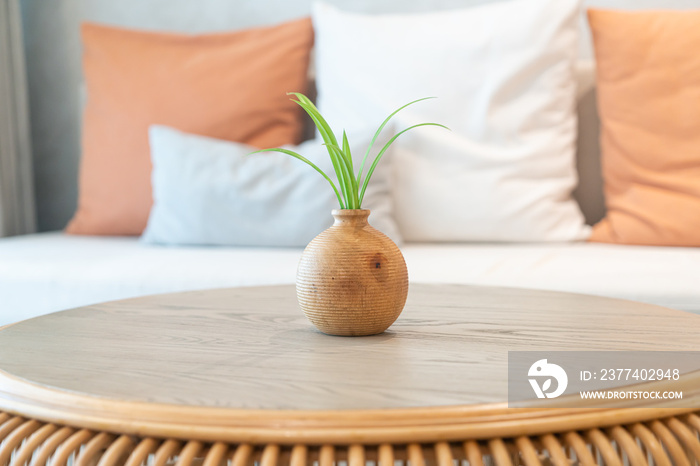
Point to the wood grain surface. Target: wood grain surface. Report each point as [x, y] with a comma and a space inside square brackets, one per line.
[252, 348]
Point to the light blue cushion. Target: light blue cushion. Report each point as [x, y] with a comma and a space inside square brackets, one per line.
[212, 192]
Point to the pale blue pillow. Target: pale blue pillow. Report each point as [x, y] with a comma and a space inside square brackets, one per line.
[212, 192]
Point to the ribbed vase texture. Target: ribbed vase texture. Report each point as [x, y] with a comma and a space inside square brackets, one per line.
[352, 279]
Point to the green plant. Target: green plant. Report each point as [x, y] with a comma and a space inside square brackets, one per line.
[352, 186]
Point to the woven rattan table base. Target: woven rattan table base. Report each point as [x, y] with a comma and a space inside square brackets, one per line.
[672, 440]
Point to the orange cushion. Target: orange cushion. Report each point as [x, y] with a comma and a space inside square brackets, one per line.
[228, 86]
[648, 72]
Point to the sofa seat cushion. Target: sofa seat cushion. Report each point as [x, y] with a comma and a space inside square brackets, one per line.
[664, 276]
[48, 272]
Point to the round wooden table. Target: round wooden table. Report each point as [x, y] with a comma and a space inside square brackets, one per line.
[237, 376]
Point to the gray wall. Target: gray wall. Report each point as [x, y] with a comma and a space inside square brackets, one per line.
[52, 43]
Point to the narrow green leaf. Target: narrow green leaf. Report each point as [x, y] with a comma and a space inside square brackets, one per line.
[323, 127]
[339, 165]
[384, 149]
[379, 130]
[346, 150]
[348, 157]
[311, 109]
[349, 182]
[339, 168]
[309, 162]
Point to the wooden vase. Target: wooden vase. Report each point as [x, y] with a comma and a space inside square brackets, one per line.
[352, 279]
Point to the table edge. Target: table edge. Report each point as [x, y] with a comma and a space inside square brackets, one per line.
[445, 423]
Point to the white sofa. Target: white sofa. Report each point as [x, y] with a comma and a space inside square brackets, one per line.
[48, 272]
[52, 271]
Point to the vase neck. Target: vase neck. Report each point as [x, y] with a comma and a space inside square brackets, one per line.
[350, 217]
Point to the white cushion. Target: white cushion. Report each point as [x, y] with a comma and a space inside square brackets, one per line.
[52, 271]
[504, 75]
[213, 192]
[48, 272]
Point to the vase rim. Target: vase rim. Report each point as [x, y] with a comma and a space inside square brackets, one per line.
[349, 212]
